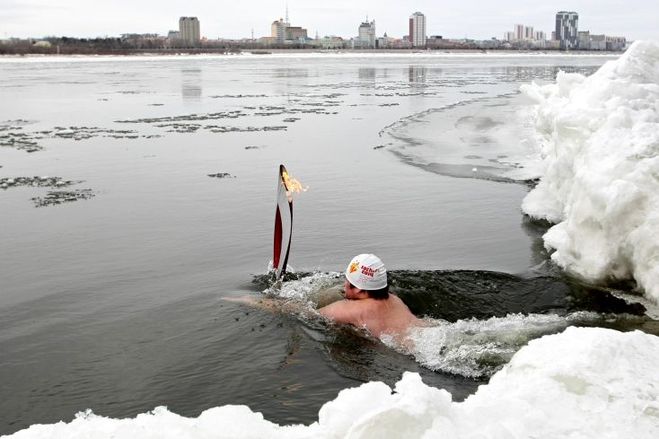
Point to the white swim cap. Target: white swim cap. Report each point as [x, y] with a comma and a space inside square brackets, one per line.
[367, 272]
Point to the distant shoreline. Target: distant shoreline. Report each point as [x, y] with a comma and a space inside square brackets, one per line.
[430, 52]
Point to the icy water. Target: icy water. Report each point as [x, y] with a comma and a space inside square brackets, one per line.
[115, 301]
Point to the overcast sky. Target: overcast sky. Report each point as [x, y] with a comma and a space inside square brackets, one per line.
[634, 19]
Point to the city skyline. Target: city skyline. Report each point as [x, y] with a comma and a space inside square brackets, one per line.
[32, 18]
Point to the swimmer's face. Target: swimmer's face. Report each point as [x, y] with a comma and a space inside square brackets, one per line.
[349, 290]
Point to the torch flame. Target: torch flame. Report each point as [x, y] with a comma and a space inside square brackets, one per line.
[292, 184]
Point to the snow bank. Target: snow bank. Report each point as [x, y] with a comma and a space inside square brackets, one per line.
[582, 383]
[599, 138]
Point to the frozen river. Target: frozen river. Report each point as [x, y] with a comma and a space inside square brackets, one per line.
[113, 300]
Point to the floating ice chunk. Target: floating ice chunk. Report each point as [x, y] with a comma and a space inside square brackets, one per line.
[599, 138]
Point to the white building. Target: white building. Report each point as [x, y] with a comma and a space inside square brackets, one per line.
[385, 42]
[278, 30]
[588, 41]
[330, 42]
[366, 38]
[528, 33]
[43, 44]
[519, 32]
[417, 26]
[525, 37]
[189, 30]
[566, 29]
[615, 43]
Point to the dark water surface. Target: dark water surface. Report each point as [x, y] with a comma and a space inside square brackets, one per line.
[115, 303]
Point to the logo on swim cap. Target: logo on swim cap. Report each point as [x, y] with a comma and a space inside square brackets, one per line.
[367, 272]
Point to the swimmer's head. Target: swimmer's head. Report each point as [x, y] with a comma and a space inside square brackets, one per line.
[368, 273]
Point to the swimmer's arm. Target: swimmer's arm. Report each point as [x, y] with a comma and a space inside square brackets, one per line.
[339, 312]
[270, 304]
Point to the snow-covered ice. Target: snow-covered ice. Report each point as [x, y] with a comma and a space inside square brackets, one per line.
[599, 139]
[581, 383]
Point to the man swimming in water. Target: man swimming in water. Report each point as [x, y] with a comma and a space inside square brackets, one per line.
[368, 303]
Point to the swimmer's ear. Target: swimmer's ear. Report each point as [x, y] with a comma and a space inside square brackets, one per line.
[363, 294]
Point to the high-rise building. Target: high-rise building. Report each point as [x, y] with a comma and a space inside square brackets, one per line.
[566, 29]
[519, 32]
[278, 30]
[188, 28]
[281, 31]
[417, 29]
[528, 32]
[525, 36]
[366, 36]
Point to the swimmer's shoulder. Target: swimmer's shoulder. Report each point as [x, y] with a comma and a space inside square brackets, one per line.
[327, 296]
[343, 311]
